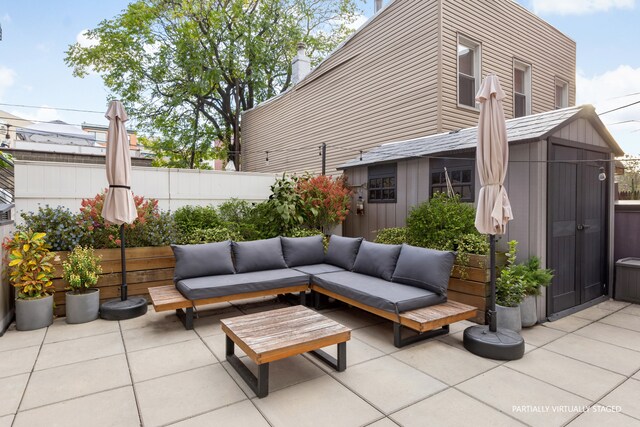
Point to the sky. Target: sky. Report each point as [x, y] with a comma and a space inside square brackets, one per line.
[36, 33]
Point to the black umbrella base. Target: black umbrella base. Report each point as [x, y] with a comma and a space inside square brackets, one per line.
[504, 344]
[116, 309]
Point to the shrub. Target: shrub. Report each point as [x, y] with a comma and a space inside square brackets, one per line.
[30, 264]
[82, 269]
[158, 230]
[325, 200]
[59, 225]
[308, 232]
[188, 218]
[473, 244]
[285, 206]
[440, 222]
[392, 236]
[217, 234]
[234, 211]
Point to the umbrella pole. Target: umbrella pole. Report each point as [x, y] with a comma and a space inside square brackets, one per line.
[492, 300]
[123, 288]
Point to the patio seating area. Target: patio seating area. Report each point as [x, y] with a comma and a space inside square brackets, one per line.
[582, 370]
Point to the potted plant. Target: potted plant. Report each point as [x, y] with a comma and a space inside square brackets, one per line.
[31, 273]
[534, 278]
[510, 291]
[81, 271]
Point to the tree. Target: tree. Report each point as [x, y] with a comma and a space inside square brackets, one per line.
[629, 183]
[186, 69]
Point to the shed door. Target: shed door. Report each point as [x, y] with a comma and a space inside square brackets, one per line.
[577, 220]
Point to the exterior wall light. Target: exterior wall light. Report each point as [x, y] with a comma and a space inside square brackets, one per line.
[602, 176]
[360, 206]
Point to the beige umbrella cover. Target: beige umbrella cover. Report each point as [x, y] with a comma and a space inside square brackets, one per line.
[492, 157]
[119, 207]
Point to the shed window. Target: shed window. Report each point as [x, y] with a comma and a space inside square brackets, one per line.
[521, 89]
[382, 183]
[468, 71]
[562, 94]
[461, 175]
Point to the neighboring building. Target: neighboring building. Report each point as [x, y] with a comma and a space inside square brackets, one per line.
[563, 212]
[412, 70]
[100, 135]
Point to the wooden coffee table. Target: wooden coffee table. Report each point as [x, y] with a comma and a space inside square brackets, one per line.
[273, 335]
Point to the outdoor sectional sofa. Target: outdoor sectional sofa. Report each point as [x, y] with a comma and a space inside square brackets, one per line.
[403, 283]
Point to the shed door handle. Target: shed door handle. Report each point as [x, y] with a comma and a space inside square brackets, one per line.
[583, 226]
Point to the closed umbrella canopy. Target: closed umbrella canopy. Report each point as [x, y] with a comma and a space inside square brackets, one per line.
[119, 207]
[492, 157]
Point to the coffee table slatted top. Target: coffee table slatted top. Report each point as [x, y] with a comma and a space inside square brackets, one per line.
[273, 335]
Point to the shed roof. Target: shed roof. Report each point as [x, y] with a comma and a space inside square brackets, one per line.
[531, 128]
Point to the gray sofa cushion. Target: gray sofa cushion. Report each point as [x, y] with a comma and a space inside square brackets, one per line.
[342, 251]
[376, 292]
[377, 259]
[302, 250]
[202, 260]
[425, 268]
[318, 269]
[231, 284]
[258, 255]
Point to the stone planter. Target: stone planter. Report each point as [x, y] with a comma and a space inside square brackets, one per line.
[509, 318]
[82, 308]
[528, 313]
[34, 313]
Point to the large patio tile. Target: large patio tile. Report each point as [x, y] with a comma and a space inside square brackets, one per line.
[11, 390]
[13, 339]
[330, 404]
[613, 305]
[460, 326]
[569, 374]
[79, 379]
[353, 318]
[633, 309]
[596, 417]
[151, 318]
[604, 355]
[19, 361]
[568, 324]
[216, 344]
[379, 336]
[593, 313]
[444, 362]
[169, 359]
[612, 334]
[622, 320]
[261, 304]
[78, 350]
[637, 376]
[452, 408]
[60, 330]
[241, 414]
[186, 394]
[385, 422]
[209, 323]
[109, 408]
[357, 352]
[540, 335]
[513, 393]
[156, 335]
[625, 396]
[388, 383]
[6, 421]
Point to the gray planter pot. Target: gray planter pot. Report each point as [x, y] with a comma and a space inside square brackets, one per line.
[509, 318]
[34, 313]
[528, 313]
[82, 308]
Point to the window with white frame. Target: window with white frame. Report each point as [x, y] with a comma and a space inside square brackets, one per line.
[521, 89]
[562, 94]
[468, 71]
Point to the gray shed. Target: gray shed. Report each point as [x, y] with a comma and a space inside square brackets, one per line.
[563, 211]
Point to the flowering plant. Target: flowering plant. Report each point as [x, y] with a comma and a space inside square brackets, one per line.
[325, 200]
[82, 269]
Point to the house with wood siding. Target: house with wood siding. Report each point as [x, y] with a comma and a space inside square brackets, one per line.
[412, 70]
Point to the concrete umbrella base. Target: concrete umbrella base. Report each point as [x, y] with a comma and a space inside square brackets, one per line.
[117, 309]
[502, 344]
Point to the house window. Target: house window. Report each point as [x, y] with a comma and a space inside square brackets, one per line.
[562, 94]
[468, 71]
[382, 183]
[521, 89]
[461, 176]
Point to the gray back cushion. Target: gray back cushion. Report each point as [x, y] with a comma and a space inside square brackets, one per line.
[377, 259]
[258, 255]
[342, 251]
[303, 250]
[425, 268]
[209, 259]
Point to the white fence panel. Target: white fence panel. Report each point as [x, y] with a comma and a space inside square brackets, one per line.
[66, 184]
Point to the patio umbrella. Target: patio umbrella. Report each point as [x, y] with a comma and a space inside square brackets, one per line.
[119, 208]
[492, 215]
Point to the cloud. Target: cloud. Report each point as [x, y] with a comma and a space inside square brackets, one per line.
[84, 40]
[358, 21]
[7, 78]
[579, 7]
[42, 114]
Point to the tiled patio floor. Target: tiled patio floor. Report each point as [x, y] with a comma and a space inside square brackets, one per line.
[583, 370]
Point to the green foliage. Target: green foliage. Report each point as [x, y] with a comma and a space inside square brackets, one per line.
[392, 236]
[189, 218]
[519, 280]
[234, 211]
[535, 276]
[325, 200]
[217, 234]
[82, 269]
[440, 222]
[473, 244]
[158, 230]
[286, 206]
[31, 271]
[59, 224]
[178, 65]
